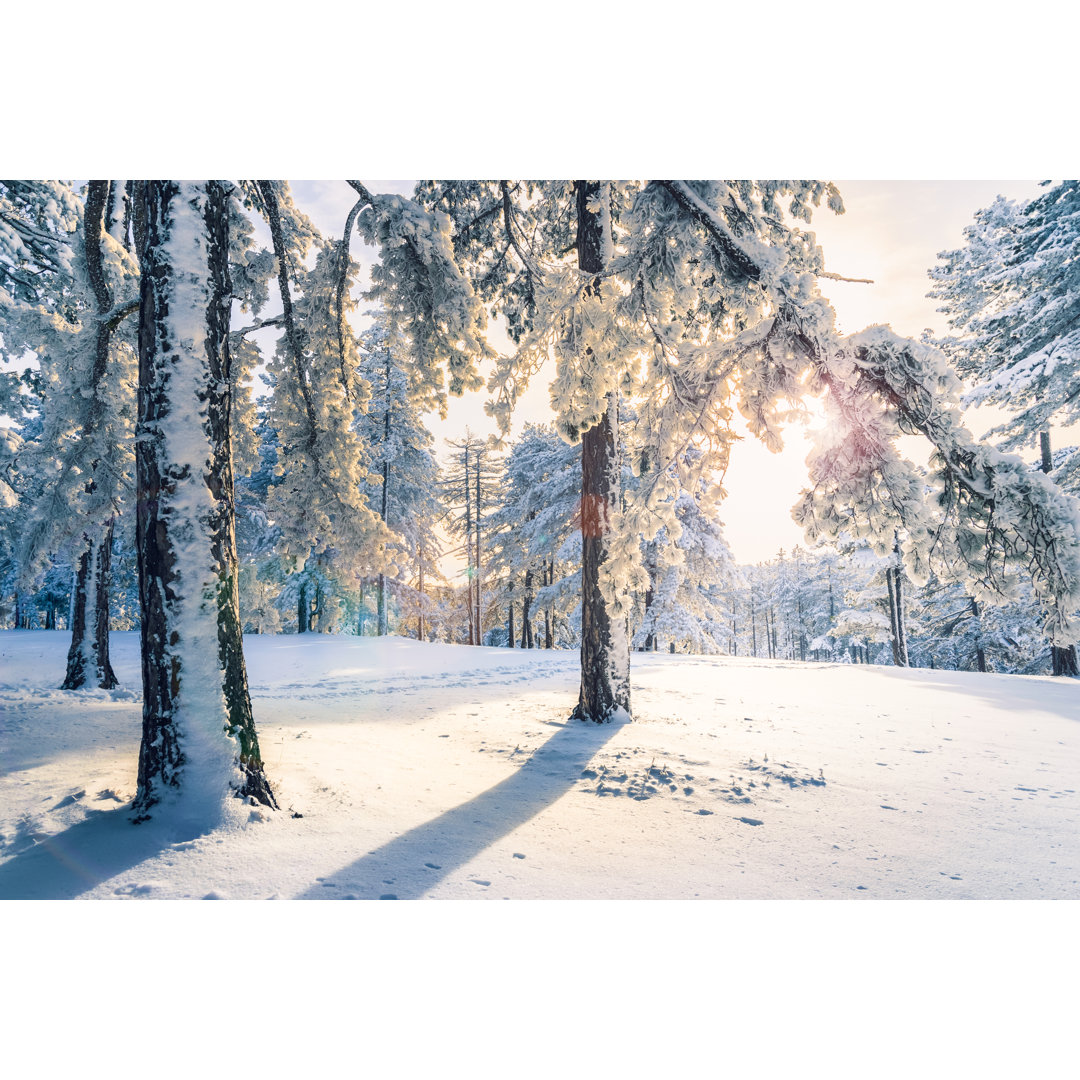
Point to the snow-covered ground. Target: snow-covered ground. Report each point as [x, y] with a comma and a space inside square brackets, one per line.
[414, 771]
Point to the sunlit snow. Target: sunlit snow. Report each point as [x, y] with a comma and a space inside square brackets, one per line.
[411, 771]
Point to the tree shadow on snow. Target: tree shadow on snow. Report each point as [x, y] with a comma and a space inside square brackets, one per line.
[410, 865]
[70, 863]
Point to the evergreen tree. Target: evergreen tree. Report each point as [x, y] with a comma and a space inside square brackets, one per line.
[69, 287]
[1013, 294]
[403, 475]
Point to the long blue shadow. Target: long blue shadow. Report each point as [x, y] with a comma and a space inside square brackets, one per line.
[73, 862]
[410, 865]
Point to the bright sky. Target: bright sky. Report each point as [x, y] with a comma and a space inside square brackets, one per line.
[891, 232]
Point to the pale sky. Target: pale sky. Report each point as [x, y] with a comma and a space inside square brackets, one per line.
[891, 232]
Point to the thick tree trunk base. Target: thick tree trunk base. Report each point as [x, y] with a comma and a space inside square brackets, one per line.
[1064, 661]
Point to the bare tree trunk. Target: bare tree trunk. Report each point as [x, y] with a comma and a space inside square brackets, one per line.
[199, 742]
[87, 659]
[549, 615]
[468, 553]
[510, 625]
[1063, 659]
[526, 612]
[303, 610]
[980, 652]
[605, 648]
[894, 579]
[383, 627]
[420, 634]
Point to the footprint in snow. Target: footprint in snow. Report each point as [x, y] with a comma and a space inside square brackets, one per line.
[518, 855]
[432, 866]
[477, 881]
[750, 821]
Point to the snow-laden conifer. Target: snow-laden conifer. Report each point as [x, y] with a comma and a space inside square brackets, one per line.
[69, 307]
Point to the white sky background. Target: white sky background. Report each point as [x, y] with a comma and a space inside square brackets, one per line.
[891, 232]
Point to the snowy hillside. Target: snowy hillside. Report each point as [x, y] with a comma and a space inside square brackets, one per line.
[429, 771]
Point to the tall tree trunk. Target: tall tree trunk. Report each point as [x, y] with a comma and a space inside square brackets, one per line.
[510, 625]
[303, 610]
[1063, 658]
[384, 508]
[420, 634]
[549, 614]
[526, 612]
[980, 652]
[88, 656]
[650, 594]
[605, 646]
[894, 579]
[479, 606]
[199, 743]
[468, 553]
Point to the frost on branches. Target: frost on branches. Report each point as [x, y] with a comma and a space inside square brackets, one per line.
[67, 283]
[986, 507]
[1012, 293]
[685, 298]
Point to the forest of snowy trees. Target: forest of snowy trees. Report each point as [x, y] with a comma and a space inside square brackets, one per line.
[215, 427]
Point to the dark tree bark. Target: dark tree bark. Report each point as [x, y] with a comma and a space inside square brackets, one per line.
[199, 740]
[526, 612]
[980, 652]
[479, 606]
[605, 650]
[384, 507]
[473, 640]
[420, 634]
[88, 657]
[549, 615]
[1063, 659]
[303, 610]
[894, 580]
[510, 625]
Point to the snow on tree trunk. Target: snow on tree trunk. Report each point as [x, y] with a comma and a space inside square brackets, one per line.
[898, 637]
[88, 656]
[199, 743]
[980, 652]
[1063, 659]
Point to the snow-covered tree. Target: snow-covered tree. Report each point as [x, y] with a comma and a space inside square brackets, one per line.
[535, 536]
[199, 741]
[664, 275]
[686, 601]
[72, 283]
[402, 481]
[977, 505]
[469, 483]
[1012, 293]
